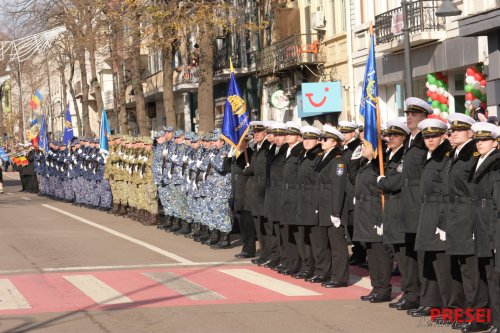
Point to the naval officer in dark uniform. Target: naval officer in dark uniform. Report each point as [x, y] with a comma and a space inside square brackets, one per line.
[486, 173]
[390, 184]
[415, 152]
[290, 197]
[307, 204]
[459, 229]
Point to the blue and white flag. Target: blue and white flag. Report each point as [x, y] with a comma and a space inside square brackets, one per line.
[104, 133]
[43, 139]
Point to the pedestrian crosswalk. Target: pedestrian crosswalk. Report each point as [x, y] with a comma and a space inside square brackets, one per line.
[168, 287]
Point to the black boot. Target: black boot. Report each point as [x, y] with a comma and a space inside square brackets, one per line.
[176, 226]
[187, 230]
[162, 222]
[204, 234]
[169, 221]
[224, 242]
[183, 228]
[215, 238]
[195, 230]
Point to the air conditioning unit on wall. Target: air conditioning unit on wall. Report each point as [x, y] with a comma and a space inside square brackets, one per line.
[318, 20]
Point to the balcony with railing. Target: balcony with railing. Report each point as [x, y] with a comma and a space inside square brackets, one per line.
[423, 23]
[187, 79]
[290, 52]
[243, 61]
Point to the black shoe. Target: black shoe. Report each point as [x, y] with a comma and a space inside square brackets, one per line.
[334, 284]
[259, 260]
[407, 305]
[475, 327]
[423, 311]
[494, 329]
[380, 299]
[204, 235]
[244, 255]
[394, 305]
[301, 275]
[279, 267]
[289, 272]
[317, 279]
[265, 262]
[367, 297]
[272, 264]
[457, 326]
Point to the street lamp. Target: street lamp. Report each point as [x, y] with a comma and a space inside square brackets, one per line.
[447, 8]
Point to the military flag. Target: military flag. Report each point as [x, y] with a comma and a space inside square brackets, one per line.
[235, 123]
[104, 133]
[43, 139]
[369, 100]
[68, 127]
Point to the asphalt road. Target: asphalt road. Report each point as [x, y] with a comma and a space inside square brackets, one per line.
[71, 269]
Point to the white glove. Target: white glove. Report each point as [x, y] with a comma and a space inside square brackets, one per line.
[380, 230]
[358, 153]
[184, 158]
[442, 234]
[174, 157]
[198, 163]
[232, 152]
[169, 175]
[335, 221]
[354, 200]
[379, 178]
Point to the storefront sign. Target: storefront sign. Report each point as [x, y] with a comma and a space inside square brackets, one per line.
[321, 97]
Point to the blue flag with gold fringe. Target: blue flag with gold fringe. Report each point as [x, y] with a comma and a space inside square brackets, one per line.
[235, 123]
[369, 95]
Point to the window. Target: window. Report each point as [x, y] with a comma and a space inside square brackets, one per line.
[331, 17]
[155, 62]
[343, 20]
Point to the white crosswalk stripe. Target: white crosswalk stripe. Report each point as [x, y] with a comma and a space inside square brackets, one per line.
[10, 297]
[264, 281]
[184, 286]
[97, 290]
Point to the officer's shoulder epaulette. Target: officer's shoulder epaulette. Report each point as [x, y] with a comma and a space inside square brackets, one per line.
[321, 153]
[476, 154]
[338, 156]
[448, 154]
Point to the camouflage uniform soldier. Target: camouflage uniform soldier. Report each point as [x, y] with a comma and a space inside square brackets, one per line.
[150, 214]
[160, 168]
[175, 175]
[220, 182]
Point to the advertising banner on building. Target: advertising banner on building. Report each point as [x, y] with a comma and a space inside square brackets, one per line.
[320, 98]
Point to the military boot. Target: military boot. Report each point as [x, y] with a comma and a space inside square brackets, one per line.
[162, 220]
[122, 210]
[204, 234]
[211, 234]
[215, 239]
[195, 230]
[115, 209]
[169, 221]
[224, 242]
[176, 226]
[184, 225]
[188, 228]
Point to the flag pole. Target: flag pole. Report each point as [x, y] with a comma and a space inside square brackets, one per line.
[379, 134]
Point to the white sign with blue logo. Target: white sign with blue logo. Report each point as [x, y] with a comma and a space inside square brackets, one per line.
[321, 97]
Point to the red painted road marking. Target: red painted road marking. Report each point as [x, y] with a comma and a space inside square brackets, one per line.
[52, 292]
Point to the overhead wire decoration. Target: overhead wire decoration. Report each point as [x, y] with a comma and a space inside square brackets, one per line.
[22, 49]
